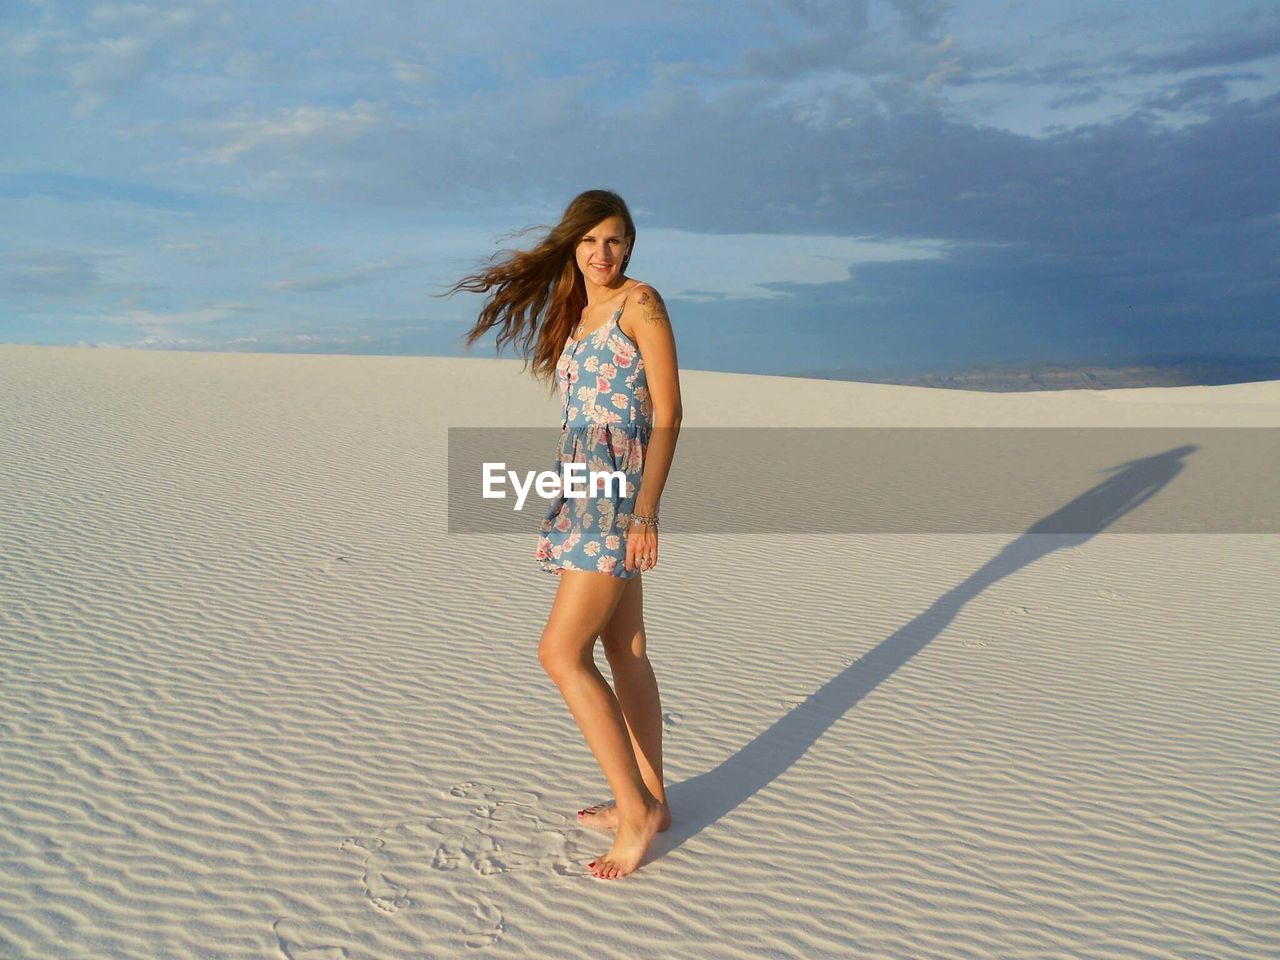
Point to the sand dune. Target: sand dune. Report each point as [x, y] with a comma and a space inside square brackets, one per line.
[256, 702]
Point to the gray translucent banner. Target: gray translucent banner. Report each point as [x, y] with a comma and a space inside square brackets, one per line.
[912, 480]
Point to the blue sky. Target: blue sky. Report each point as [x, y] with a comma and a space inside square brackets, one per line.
[904, 185]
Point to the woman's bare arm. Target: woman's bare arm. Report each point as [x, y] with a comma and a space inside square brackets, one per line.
[646, 314]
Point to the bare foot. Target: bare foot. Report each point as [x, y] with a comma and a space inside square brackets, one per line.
[629, 845]
[604, 817]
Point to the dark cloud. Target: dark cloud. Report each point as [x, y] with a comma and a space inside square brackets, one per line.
[1001, 71]
[1121, 233]
[841, 37]
[1126, 232]
[921, 18]
[1076, 98]
[1196, 92]
[843, 15]
[1255, 37]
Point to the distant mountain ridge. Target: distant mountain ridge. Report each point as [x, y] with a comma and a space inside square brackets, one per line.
[1004, 378]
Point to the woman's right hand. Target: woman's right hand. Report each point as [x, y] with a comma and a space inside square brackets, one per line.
[642, 547]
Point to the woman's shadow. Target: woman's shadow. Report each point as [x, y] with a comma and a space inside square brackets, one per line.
[704, 799]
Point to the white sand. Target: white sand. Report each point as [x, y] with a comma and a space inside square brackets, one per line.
[254, 702]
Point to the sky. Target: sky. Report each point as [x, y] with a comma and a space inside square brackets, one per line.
[906, 185]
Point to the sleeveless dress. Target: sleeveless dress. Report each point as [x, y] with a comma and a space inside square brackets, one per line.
[606, 424]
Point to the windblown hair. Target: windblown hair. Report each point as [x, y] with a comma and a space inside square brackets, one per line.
[540, 293]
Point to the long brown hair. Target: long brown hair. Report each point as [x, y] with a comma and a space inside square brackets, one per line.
[543, 282]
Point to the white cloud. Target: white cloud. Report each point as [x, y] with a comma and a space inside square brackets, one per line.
[157, 321]
[107, 50]
[699, 266]
[289, 128]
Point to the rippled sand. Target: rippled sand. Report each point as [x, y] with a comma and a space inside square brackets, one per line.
[255, 702]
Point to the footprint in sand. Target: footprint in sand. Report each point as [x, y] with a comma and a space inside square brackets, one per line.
[383, 893]
[481, 834]
[1112, 595]
[297, 943]
[672, 719]
[1016, 612]
[485, 926]
[493, 805]
[337, 565]
[974, 643]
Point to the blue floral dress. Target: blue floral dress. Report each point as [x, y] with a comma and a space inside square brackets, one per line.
[606, 424]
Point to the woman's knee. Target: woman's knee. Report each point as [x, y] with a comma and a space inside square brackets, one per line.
[560, 654]
[621, 647]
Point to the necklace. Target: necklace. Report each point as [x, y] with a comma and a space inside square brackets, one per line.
[577, 332]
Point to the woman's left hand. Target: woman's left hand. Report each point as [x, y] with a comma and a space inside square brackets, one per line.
[642, 547]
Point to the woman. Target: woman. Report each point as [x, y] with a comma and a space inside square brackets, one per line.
[607, 340]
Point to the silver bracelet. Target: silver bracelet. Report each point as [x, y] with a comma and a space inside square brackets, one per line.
[645, 521]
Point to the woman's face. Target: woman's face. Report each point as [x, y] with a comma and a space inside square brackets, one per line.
[602, 250]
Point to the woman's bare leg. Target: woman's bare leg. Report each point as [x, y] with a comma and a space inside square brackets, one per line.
[584, 603]
[637, 691]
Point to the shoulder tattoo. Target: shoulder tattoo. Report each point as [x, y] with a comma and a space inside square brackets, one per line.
[652, 307]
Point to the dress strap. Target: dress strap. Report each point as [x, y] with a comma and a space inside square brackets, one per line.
[617, 313]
